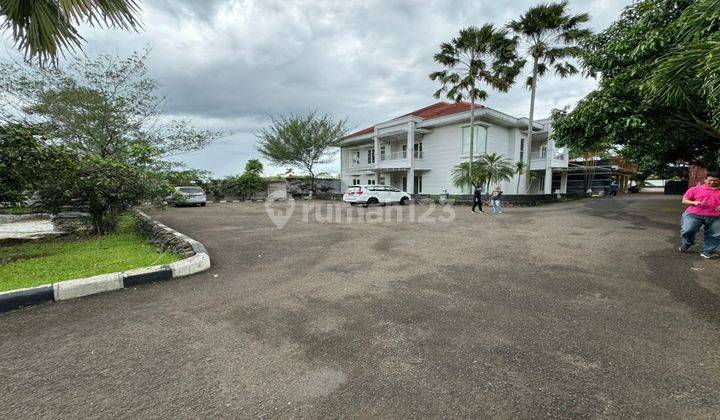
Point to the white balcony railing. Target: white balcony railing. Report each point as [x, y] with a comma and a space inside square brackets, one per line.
[401, 155]
[393, 155]
[360, 164]
[538, 155]
[557, 154]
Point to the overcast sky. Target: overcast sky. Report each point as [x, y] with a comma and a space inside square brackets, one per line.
[228, 64]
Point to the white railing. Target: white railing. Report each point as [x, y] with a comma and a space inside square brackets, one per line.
[538, 155]
[401, 155]
[393, 155]
[557, 154]
[361, 164]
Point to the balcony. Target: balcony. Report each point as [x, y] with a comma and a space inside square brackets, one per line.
[539, 160]
[401, 155]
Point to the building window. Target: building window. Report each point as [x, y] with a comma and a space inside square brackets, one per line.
[371, 182]
[418, 153]
[404, 184]
[355, 155]
[417, 184]
[382, 152]
[480, 142]
[522, 149]
[356, 181]
[382, 180]
[371, 156]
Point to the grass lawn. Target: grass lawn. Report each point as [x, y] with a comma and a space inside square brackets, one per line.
[38, 263]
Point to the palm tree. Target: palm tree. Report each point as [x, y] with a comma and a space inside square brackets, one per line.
[520, 169]
[531, 178]
[46, 28]
[550, 37]
[463, 174]
[496, 168]
[476, 56]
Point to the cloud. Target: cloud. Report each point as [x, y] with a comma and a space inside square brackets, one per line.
[230, 64]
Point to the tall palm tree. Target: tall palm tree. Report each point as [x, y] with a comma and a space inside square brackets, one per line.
[520, 169]
[496, 168]
[475, 57]
[550, 37]
[47, 28]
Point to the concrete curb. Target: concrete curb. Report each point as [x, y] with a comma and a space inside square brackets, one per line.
[71, 289]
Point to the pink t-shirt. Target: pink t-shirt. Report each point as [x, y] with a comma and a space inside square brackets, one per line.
[710, 198]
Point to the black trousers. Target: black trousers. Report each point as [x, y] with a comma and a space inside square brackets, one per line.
[477, 203]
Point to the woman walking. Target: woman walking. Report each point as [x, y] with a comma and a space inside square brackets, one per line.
[495, 199]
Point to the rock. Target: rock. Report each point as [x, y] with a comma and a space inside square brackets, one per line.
[72, 221]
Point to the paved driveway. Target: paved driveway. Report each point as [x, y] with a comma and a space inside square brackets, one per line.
[567, 310]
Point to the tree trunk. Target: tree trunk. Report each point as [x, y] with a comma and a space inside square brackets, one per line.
[528, 142]
[312, 182]
[472, 138]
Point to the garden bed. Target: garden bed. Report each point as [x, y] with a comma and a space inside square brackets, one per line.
[38, 263]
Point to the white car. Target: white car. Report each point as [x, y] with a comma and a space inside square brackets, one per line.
[192, 195]
[375, 194]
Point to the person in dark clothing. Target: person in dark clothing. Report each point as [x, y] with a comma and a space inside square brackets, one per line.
[614, 187]
[476, 200]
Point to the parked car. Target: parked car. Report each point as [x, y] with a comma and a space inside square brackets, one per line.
[375, 194]
[191, 196]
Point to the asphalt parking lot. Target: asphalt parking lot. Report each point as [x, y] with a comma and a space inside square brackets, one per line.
[578, 309]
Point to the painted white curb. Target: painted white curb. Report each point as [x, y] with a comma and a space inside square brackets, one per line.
[71, 289]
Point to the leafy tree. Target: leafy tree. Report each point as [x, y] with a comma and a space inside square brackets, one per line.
[179, 178]
[689, 76]
[475, 57]
[657, 101]
[44, 28]
[302, 141]
[107, 121]
[246, 185]
[549, 36]
[21, 160]
[254, 166]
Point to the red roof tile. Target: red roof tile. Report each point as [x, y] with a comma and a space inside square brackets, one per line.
[436, 110]
[442, 109]
[363, 131]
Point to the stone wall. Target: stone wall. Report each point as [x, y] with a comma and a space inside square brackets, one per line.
[166, 239]
[72, 221]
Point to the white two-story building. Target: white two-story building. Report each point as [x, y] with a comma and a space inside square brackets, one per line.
[418, 151]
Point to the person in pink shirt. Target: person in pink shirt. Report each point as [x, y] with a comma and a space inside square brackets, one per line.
[703, 210]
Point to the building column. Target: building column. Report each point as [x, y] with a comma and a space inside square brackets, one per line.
[547, 188]
[550, 150]
[411, 157]
[411, 142]
[376, 147]
[563, 182]
[410, 181]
